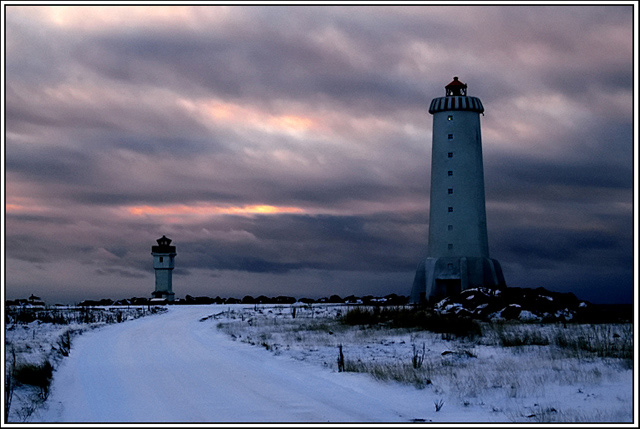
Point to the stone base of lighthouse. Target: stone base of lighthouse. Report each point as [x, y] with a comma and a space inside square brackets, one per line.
[437, 278]
[169, 296]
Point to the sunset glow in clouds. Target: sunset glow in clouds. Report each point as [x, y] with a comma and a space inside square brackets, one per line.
[286, 149]
[209, 210]
[215, 112]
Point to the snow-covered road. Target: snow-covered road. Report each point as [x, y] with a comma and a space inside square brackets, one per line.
[174, 368]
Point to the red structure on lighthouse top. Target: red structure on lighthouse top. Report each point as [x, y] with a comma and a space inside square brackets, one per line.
[456, 99]
[456, 87]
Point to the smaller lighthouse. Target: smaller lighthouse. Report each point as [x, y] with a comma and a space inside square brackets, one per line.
[163, 263]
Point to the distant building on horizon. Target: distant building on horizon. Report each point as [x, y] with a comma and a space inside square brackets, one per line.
[163, 263]
[458, 252]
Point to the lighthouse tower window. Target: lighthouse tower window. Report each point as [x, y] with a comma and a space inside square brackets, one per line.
[450, 191]
[450, 246]
[450, 209]
[450, 227]
[450, 136]
[450, 118]
[450, 173]
[450, 154]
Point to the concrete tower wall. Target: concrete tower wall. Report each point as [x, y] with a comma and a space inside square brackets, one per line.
[163, 261]
[457, 220]
[163, 281]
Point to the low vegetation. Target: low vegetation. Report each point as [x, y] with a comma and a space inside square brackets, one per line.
[574, 340]
[38, 375]
[37, 338]
[68, 315]
[460, 359]
[413, 318]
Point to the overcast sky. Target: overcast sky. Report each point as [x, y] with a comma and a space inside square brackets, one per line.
[287, 150]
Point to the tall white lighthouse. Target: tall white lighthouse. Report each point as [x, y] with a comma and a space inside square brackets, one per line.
[458, 252]
[163, 263]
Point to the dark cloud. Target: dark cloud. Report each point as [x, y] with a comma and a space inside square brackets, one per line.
[50, 164]
[277, 244]
[120, 273]
[558, 178]
[254, 65]
[579, 84]
[27, 248]
[555, 247]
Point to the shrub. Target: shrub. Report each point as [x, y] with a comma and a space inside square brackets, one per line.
[421, 318]
[35, 375]
[25, 316]
[512, 337]
[577, 340]
[362, 316]
[418, 356]
[400, 372]
[599, 340]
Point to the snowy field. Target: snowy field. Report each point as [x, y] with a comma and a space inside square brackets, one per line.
[463, 380]
[245, 363]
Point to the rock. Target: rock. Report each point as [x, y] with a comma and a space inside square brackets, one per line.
[527, 305]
